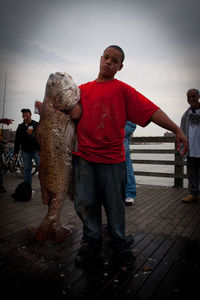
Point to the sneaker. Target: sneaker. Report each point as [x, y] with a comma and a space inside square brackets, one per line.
[33, 194]
[2, 189]
[129, 201]
[87, 255]
[190, 198]
[126, 260]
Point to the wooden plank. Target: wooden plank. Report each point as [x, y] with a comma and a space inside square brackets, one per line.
[44, 270]
[158, 174]
[94, 286]
[158, 220]
[157, 162]
[153, 151]
[152, 139]
[180, 270]
[134, 286]
[165, 257]
[152, 205]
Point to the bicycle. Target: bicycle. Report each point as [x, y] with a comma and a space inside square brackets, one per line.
[14, 164]
[6, 155]
[3, 166]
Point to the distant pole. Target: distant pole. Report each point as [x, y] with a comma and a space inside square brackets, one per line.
[4, 96]
[4, 99]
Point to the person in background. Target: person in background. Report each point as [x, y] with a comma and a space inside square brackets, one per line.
[26, 140]
[7, 122]
[38, 107]
[131, 183]
[190, 124]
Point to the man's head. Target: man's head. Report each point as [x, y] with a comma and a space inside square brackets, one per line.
[118, 49]
[111, 62]
[193, 98]
[26, 115]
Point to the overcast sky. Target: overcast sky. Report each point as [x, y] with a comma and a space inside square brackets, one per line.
[161, 41]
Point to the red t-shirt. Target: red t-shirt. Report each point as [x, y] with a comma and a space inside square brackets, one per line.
[106, 108]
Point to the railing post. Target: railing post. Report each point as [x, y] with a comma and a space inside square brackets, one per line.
[178, 169]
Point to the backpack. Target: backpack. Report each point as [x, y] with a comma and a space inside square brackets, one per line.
[23, 192]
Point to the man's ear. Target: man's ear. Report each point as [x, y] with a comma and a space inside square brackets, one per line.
[121, 67]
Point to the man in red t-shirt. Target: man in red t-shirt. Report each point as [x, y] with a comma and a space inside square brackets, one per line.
[99, 161]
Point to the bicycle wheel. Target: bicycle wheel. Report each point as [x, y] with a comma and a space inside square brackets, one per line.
[34, 169]
[19, 168]
[12, 164]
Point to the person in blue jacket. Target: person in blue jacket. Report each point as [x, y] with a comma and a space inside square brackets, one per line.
[131, 183]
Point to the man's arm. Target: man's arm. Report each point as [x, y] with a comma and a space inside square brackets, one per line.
[161, 119]
[6, 121]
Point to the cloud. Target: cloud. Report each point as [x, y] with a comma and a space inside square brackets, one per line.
[160, 40]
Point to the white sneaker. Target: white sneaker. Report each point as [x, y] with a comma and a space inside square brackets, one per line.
[33, 194]
[129, 201]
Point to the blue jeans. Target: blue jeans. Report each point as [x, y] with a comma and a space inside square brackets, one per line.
[193, 170]
[96, 185]
[131, 183]
[27, 160]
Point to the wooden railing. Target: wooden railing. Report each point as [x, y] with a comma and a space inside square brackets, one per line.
[178, 161]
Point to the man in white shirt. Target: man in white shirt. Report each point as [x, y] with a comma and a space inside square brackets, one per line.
[190, 124]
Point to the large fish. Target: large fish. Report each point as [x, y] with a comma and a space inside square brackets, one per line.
[56, 134]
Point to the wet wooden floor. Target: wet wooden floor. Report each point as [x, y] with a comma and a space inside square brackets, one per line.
[166, 245]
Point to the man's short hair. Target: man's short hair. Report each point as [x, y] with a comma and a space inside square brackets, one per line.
[195, 90]
[24, 110]
[119, 49]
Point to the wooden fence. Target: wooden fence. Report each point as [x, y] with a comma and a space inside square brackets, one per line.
[178, 161]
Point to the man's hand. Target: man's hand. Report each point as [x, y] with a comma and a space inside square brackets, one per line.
[161, 119]
[38, 107]
[181, 138]
[6, 121]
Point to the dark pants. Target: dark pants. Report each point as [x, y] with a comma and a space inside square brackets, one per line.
[96, 185]
[193, 170]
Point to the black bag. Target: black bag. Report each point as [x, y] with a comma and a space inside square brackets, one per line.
[23, 192]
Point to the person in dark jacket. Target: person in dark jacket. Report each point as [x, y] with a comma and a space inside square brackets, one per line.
[26, 140]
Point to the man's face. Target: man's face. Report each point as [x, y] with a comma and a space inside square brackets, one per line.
[110, 63]
[193, 99]
[26, 116]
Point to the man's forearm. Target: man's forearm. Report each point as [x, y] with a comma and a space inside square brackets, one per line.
[161, 119]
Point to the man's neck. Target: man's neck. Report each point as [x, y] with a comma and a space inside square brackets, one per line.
[195, 107]
[27, 121]
[100, 78]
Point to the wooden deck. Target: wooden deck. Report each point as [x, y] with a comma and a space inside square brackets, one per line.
[166, 245]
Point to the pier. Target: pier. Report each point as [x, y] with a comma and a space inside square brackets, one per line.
[166, 245]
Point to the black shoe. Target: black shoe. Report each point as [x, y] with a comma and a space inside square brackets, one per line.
[2, 189]
[87, 255]
[126, 260]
